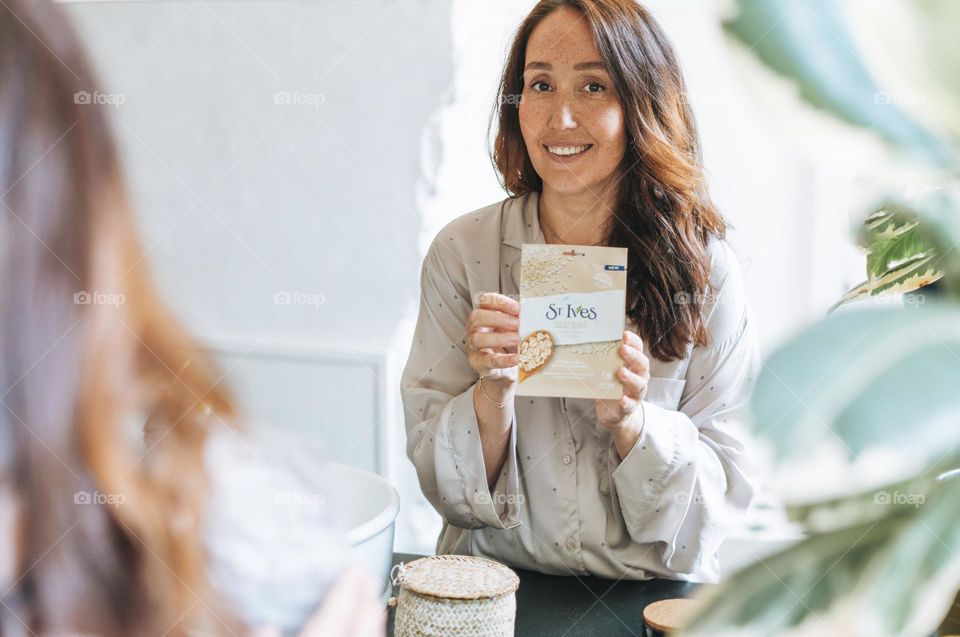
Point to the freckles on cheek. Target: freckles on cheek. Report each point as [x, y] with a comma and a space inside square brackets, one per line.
[527, 124]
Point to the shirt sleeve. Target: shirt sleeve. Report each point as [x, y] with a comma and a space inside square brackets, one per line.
[437, 386]
[688, 478]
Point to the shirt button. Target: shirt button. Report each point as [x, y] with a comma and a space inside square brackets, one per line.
[567, 460]
[571, 544]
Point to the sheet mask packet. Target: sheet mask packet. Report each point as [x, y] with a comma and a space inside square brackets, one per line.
[572, 317]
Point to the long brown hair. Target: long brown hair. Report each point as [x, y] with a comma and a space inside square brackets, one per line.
[107, 535]
[663, 213]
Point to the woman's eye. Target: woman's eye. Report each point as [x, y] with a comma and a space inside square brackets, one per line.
[540, 86]
[594, 87]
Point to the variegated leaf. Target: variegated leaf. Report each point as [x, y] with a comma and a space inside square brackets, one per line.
[896, 575]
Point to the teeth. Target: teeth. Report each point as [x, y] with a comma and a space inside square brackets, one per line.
[567, 150]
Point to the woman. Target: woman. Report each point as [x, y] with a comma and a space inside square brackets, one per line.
[101, 537]
[596, 145]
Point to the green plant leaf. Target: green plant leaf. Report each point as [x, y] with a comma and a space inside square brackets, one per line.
[939, 213]
[926, 560]
[784, 589]
[870, 376]
[892, 237]
[890, 576]
[869, 505]
[912, 275]
[808, 42]
[910, 243]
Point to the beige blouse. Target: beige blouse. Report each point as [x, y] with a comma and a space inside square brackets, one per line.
[563, 503]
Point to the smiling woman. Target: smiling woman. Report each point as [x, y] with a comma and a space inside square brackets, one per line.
[596, 145]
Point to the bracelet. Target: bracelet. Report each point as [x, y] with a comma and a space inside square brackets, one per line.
[484, 391]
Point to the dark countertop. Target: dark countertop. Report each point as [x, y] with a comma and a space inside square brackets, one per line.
[569, 606]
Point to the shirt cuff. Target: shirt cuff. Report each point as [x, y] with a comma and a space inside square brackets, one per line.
[465, 498]
[641, 477]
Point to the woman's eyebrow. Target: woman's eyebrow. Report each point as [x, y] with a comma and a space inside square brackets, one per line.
[580, 66]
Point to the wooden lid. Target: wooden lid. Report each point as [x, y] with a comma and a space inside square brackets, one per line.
[458, 577]
[668, 614]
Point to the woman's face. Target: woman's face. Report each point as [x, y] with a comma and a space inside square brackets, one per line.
[571, 119]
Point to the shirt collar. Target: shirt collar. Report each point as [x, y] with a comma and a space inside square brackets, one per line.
[522, 222]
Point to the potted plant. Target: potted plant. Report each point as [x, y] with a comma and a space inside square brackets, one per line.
[882, 552]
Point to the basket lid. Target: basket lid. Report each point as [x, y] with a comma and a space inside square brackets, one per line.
[457, 577]
[669, 614]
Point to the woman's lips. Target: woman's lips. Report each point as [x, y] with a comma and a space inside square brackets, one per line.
[566, 153]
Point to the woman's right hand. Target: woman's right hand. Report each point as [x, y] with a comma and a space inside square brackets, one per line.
[352, 608]
[492, 337]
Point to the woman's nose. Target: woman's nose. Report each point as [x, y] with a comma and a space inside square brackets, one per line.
[563, 116]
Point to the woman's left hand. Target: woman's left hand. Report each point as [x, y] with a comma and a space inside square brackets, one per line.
[624, 416]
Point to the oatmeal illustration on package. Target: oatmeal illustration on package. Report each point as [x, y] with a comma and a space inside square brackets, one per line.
[572, 317]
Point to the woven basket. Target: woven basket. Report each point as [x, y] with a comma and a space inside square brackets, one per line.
[455, 596]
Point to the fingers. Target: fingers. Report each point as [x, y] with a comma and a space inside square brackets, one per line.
[633, 340]
[502, 361]
[486, 362]
[490, 340]
[634, 385]
[632, 354]
[628, 405]
[492, 319]
[372, 623]
[350, 607]
[499, 303]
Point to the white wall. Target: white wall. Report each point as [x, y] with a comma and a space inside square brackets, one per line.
[241, 197]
